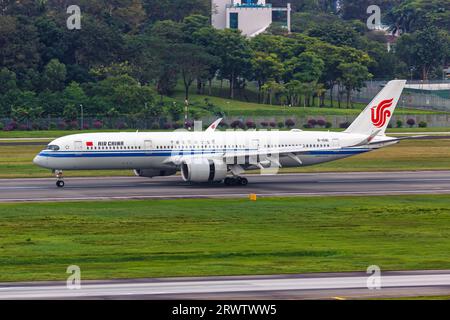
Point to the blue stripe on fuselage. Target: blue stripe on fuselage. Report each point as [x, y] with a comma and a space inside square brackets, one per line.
[167, 153]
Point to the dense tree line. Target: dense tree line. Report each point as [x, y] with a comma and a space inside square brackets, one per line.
[130, 53]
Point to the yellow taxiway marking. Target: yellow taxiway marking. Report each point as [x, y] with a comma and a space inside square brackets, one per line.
[339, 298]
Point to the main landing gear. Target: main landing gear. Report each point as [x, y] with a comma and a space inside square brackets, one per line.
[236, 181]
[60, 179]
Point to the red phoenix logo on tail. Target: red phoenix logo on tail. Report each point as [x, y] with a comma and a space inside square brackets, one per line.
[381, 113]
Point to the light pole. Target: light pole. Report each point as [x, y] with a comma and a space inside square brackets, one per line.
[82, 117]
[186, 113]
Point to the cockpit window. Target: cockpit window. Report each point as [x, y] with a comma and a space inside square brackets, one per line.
[53, 147]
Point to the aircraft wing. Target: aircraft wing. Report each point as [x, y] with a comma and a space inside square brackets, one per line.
[390, 139]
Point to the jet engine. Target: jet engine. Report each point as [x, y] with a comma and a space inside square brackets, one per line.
[150, 173]
[203, 170]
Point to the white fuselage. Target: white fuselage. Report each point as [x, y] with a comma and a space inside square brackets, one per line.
[151, 150]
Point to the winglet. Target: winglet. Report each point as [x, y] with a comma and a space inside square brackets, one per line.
[214, 126]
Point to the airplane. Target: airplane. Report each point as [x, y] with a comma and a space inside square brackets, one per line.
[215, 156]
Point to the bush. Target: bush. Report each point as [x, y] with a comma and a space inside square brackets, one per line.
[12, 126]
[344, 125]
[312, 123]
[411, 122]
[399, 123]
[1, 126]
[250, 124]
[72, 125]
[237, 124]
[155, 126]
[321, 123]
[35, 126]
[223, 125]
[23, 127]
[422, 124]
[121, 125]
[62, 125]
[264, 124]
[177, 125]
[273, 124]
[290, 123]
[98, 124]
[280, 125]
[307, 126]
[167, 126]
[328, 125]
[189, 124]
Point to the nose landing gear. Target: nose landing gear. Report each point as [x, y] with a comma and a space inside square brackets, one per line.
[236, 181]
[60, 179]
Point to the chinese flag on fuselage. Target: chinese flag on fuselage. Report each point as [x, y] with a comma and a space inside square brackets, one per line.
[89, 144]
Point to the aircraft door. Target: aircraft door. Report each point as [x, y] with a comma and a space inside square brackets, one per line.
[148, 145]
[254, 145]
[78, 146]
[335, 143]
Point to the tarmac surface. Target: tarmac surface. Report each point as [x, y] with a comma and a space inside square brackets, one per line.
[307, 184]
[339, 286]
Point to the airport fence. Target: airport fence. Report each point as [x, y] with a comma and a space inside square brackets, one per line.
[236, 122]
[427, 95]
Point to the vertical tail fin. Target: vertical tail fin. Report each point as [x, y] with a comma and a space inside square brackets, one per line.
[375, 117]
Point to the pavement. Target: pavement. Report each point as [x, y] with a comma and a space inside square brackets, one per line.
[307, 184]
[339, 286]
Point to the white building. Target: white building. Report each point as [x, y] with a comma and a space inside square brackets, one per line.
[252, 17]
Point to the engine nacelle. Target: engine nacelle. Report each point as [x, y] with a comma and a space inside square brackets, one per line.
[203, 170]
[150, 173]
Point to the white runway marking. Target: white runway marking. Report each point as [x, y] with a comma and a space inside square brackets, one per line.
[174, 287]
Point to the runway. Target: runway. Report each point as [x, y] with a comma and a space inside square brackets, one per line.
[306, 286]
[308, 184]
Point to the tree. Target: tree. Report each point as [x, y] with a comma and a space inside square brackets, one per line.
[74, 94]
[356, 9]
[337, 33]
[293, 92]
[193, 63]
[412, 15]
[235, 54]
[23, 102]
[125, 94]
[19, 43]
[265, 67]
[53, 40]
[307, 67]
[272, 89]
[207, 37]
[97, 43]
[8, 80]
[424, 50]
[353, 77]
[54, 75]
[192, 24]
[175, 9]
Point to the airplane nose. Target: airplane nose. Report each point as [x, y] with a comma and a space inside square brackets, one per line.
[40, 161]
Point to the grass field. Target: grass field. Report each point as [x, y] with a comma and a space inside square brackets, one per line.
[223, 237]
[16, 161]
[241, 108]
